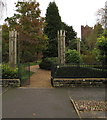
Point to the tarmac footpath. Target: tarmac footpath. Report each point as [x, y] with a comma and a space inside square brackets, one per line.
[49, 102]
[37, 103]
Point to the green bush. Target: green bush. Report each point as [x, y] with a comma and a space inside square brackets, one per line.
[72, 56]
[47, 63]
[8, 72]
[89, 59]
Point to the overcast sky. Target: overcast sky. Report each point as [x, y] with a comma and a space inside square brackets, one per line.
[72, 12]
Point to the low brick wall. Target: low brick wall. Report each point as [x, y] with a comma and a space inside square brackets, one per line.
[10, 82]
[73, 82]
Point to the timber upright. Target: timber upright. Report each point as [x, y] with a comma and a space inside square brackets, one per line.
[61, 47]
[13, 48]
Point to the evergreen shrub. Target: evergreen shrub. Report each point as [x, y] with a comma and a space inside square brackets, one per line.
[72, 56]
[48, 62]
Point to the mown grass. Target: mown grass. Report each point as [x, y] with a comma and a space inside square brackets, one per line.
[35, 63]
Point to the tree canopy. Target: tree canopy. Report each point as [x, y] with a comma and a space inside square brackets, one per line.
[29, 24]
[102, 48]
[5, 43]
[70, 37]
[90, 35]
[53, 21]
[53, 24]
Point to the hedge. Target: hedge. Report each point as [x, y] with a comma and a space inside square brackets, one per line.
[79, 72]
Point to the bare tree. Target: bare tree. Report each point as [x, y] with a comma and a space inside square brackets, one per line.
[2, 8]
[102, 15]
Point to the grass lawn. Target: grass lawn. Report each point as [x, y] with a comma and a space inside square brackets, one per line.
[35, 63]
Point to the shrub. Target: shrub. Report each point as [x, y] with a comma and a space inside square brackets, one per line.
[27, 57]
[89, 59]
[47, 63]
[8, 72]
[72, 56]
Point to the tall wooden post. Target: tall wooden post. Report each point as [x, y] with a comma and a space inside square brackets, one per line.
[105, 15]
[78, 45]
[61, 47]
[0, 71]
[0, 43]
[13, 48]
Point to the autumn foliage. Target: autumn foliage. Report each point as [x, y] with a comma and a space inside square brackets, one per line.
[29, 24]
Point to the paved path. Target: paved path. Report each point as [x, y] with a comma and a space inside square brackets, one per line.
[47, 102]
[40, 100]
[37, 103]
[40, 78]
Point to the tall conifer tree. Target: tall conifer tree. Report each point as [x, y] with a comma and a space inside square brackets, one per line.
[54, 24]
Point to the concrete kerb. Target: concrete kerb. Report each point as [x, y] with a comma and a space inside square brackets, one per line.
[4, 91]
[72, 101]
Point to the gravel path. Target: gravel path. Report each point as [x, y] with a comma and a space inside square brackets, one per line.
[40, 79]
[87, 105]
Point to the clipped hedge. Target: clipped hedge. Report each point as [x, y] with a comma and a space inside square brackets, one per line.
[48, 62]
[79, 72]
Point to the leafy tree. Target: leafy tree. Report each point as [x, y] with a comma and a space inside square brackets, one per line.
[96, 32]
[102, 48]
[5, 43]
[90, 37]
[88, 42]
[98, 29]
[54, 24]
[29, 25]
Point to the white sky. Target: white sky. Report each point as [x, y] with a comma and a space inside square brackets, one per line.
[72, 12]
